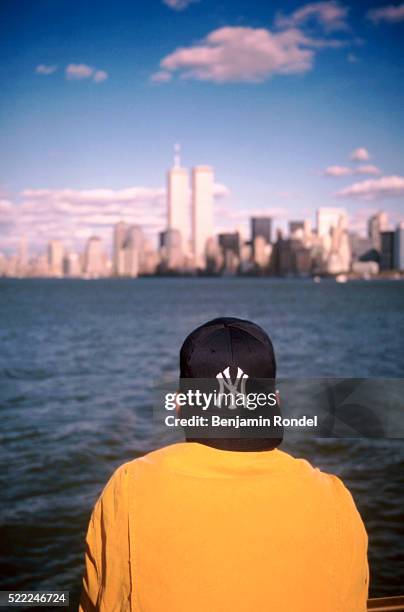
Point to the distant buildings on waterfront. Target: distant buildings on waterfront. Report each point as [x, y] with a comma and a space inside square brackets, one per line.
[190, 246]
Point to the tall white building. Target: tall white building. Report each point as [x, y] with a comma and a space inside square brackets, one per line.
[73, 265]
[95, 263]
[328, 219]
[120, 231]
[332, 230]
[202, 212]
[178, 199]
[134, 251]
[55, 258]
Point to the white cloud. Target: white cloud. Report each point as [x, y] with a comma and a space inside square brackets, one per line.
[360, 154]
[45, 69]
[389, 14]
[352, 58]
[73, 214]
[330, 15]
[162, 76]
[83, 71]
[220, 191]
[6, 216]
[5, 207]
[372, 189]
[92, 196]
[337, 171]
[248, 54]
[179, 5]
[79, 71]
[243, 54]
[100, 76]
[368, 169]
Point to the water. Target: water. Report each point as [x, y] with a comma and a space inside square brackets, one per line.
[77, 365]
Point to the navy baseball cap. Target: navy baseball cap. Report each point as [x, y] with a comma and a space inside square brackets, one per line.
[228, 342]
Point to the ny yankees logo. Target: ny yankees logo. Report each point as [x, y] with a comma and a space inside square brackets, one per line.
[234, 388]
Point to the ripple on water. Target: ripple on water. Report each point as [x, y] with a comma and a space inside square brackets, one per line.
[77, 368]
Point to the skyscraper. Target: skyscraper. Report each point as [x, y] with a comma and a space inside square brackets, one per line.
[94, 266]
[261, 226]
[399, 247]
[261, 252]
[178, 199]
[387, 250]
[73, 265]
[133, 251]
[202, 212]
[120, 230]
[377, 224]
[333, 237]
[329, 218]
[296, 228]
[171, 250]
[339, 257]
[230, 241]
[55, 258]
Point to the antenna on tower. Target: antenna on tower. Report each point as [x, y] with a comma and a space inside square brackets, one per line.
[177, 155]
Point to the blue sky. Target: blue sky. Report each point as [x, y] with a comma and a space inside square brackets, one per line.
[94, 95]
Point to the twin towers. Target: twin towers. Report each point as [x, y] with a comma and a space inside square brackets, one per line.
[190, 207]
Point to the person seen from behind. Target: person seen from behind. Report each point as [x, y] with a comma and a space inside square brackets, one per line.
[225, 524]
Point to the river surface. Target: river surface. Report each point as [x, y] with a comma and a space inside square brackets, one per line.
[78, 363]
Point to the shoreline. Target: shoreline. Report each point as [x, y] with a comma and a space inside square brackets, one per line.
[317, 278]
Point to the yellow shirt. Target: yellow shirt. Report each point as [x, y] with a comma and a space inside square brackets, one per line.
[190, 528]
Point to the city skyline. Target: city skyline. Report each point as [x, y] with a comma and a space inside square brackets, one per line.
[298, 105]
[179, 180]
[330, 248]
